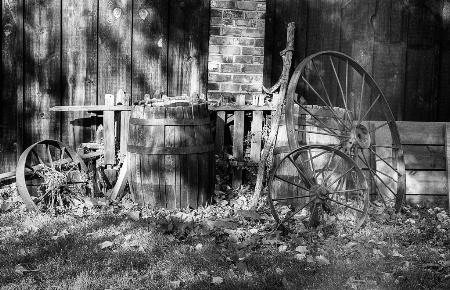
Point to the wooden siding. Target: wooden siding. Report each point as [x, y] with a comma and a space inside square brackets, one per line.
[68, 52]
[403, 44]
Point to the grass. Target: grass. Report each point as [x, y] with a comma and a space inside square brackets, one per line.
[64, 252]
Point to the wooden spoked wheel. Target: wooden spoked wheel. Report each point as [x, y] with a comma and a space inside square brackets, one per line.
[328, 188]
[46, 164]
[347, 110]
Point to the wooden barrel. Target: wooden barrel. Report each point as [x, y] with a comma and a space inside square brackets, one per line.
[303, 121]
[171, 155]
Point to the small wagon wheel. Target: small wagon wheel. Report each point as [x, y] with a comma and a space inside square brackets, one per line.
[354, 112]
[327, 187]
[46, 154]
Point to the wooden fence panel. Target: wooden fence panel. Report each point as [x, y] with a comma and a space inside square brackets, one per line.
[114, 47]
[188, 47]
[11, 93]
[79, 67]
[42, 68]
[150, 40]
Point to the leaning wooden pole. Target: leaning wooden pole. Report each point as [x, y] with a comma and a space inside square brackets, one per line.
[282, 84]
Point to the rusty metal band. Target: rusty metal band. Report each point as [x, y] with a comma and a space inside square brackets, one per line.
[282, 149]
[170, 150]
[169, 122]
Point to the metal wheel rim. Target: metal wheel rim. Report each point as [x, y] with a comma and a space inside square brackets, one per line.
[398, 155]
[21, 165]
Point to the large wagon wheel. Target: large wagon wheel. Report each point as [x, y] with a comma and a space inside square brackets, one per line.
[46, 156]
[328, 187]
[356, 113]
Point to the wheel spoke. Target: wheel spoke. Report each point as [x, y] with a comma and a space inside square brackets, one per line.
[298, 210]
[332, 172]
[306, 179]
[381, 159]
[49, 155]
[346, 80]
[320, 121]
[373, 178]
[361, 96]
[37, 156]
[331, 108]
[312, 165]
[370, 108]
[382, 125]
[346, 205]
[340, 87]
[323, 84]
[341, 176]
[292, 183]
[292, 197]
[322, 133]
[349, 190]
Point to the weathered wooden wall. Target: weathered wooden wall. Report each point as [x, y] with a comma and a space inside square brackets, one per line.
[69, 52]
[405, 45]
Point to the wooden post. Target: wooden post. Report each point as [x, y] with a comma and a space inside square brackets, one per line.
[238, 142]
[220, 130]
[108, 127]
[282, 84]
[447, 160]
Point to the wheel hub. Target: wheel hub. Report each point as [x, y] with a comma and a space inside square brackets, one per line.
[320, 191]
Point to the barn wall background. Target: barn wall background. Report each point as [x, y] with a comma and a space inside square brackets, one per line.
[404, 44]
[67, 52]
[71, 52]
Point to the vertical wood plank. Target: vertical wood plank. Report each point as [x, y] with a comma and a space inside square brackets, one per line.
[180, 160]
[42, 65]
[108, 129]
[255, 149]
[191, 187]
[149, 170]
[220, 131]
[79, 67]
[447, 160]
[114, 47]
[160, 113]
[188, 47]
[11, 94]
[205, 172]
[150, 38]
[170, 160]
[238, 142]
[124, 127]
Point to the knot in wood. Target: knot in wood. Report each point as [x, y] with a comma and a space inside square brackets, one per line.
[117, 12]
[143, 14]
[7, 29]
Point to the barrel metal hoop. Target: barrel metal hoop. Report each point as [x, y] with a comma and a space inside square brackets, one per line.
[171, 150]
[170, 122]
[282, 149]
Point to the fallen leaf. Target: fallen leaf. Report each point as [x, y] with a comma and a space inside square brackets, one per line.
[309, 259]
[175, 284]
[106, 244]
[198, 247]
[377, 253]
[288, 285]
[217, 280]
[241, 266]
[19, 269]
[282, 248]
[301, 249]
[253, 231]
[251, 214]
[395, 253]
[300, 257]
[134, 215]
[350, 245]
[321, 260]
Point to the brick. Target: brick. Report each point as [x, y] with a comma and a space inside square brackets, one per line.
[231, 31]
[214, 30]
[217, 78]
[243, 59]
[251, 88]
[246, 5]
[223, 4]
[242, 22]
[252, 68]
[259, 42]
[253, 32]
[261, 6]
[213, 86]
[259, 23]
[213, 67]
[224, 49]
[231, 68]
[219, 21]
[252, 50]
[255, 15]
[233, 14]
[258, 59]
[230, 87]
[230, 40]
[220, 58]
[248, 79]
[216, 13]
